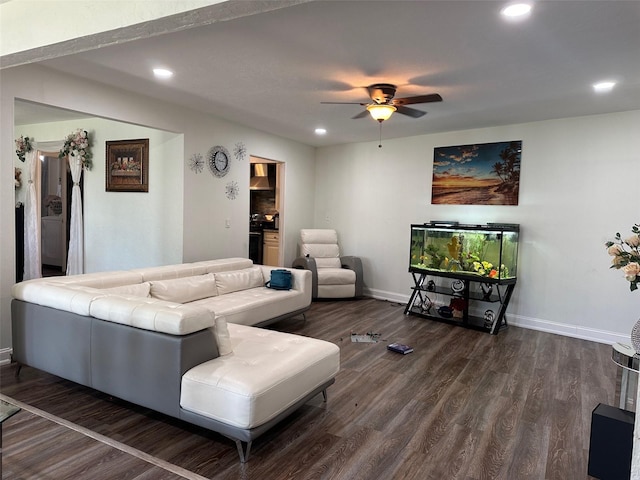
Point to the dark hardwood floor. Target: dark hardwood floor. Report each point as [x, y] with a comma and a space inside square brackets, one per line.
[464, 405]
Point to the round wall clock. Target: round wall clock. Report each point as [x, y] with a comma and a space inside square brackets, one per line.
[218, 160]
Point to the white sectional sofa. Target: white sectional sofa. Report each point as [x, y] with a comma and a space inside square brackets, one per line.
[178, 339]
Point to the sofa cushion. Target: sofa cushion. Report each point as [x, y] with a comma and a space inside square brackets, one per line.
[186, 289]
[192, 269]
[224, 264]
[322, 245]
[168, 272]
[70, 298]
[223, 339]
[319, 235]
[326, 256]
[267, 373]
[328, 262]
[236, 280]
[321, 250]
[256, 305]
[133, 290]
[114, 278]
[152, 314]
[336, 276]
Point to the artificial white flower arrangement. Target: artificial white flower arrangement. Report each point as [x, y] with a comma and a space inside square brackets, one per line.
[23, 145]
[77, 144]
[626, 256]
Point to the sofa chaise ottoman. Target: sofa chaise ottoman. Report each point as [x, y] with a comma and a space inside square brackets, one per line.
[268, 375]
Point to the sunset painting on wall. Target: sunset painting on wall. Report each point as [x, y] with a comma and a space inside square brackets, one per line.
[482, 174]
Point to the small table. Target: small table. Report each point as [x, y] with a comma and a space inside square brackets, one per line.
[7, 410]
[625, 356]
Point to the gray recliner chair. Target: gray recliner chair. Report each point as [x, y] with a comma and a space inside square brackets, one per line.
[334, 276]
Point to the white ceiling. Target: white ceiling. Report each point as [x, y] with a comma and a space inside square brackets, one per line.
[272, 70]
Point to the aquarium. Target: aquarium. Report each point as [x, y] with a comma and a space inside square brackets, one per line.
[488, 252]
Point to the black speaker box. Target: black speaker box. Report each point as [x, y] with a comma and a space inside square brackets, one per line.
[611, 443]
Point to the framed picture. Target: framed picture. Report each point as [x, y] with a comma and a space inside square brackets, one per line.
[127, 165]
[480, 174]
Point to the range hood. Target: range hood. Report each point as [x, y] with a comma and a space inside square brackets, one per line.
[260, 179]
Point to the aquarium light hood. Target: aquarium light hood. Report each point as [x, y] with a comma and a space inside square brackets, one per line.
[454, 224]
[443, 223]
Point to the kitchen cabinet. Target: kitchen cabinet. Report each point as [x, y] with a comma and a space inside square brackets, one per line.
[271, 248]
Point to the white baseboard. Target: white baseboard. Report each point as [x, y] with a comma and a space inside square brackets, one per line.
[5, 356]
[575, 331]
[384, 295]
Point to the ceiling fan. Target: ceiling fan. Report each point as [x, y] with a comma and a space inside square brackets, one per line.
[384, 104]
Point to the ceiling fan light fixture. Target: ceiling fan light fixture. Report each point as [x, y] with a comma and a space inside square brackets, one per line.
[381, 112]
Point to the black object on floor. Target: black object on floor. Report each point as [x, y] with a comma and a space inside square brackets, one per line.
[611, 443]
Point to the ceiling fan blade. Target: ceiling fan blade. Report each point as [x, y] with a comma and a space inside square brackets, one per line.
[362, 114]
[412, 112]
[343, 103]
[432, 97]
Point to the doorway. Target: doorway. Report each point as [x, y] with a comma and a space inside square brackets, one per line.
[266, 220]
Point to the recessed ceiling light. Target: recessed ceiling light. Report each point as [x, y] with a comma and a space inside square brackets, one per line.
[162, 73]
[516, 10]
[321, 131]
[602, 87]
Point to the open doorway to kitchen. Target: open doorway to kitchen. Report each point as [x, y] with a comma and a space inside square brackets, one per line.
[266, 222]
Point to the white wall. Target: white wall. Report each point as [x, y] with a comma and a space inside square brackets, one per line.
[204, 208]
[207, 207]
[580, 179]
[126, 229]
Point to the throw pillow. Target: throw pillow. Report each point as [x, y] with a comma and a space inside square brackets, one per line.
[221, 332]
[235, 280]
[185, 289]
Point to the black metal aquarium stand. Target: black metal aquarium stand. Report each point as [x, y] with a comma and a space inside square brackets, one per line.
[468, 290]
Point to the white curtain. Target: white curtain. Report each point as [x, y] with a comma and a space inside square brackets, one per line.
[32, 259]
[75, 256]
